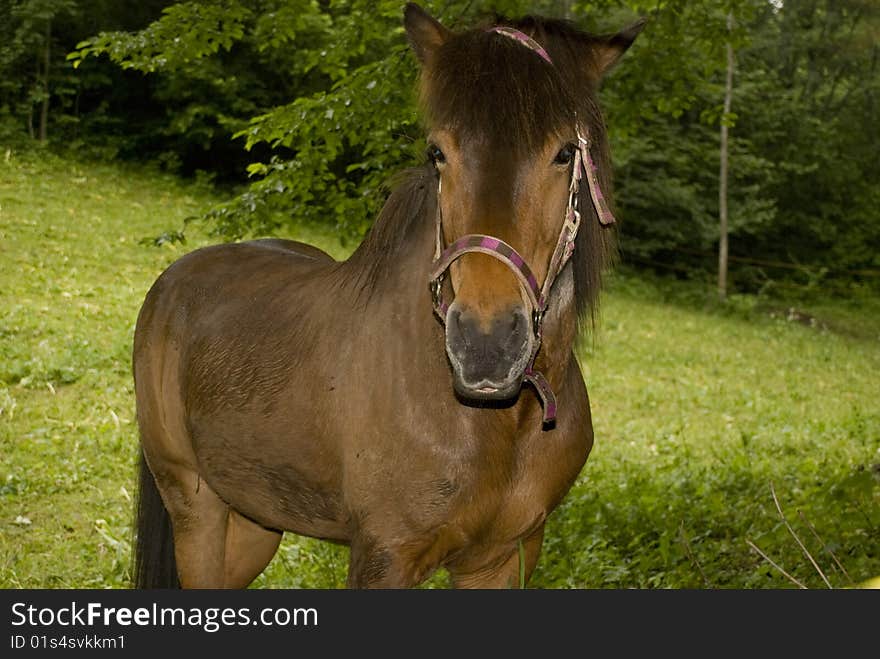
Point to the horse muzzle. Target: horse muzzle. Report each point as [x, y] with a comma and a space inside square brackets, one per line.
[488, 359]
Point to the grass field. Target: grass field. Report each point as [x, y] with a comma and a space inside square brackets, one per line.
[698, 408]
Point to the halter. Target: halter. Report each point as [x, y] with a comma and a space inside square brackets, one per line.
[538, 295]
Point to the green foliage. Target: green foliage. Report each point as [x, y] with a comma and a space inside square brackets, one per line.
[348, 142]
[25, 45]
[805, 92]
[186, 33]
[348, 122]
[82, 107]
[311, 105]
[698, 409]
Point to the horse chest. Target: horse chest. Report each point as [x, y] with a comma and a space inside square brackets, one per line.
[499, 507]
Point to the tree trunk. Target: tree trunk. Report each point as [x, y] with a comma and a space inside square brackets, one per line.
[76, 110]
[30, 121]
[30, 118]
[722, 177]
[44, 109]
[566, 9]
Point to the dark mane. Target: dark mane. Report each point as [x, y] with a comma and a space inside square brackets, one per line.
[412, 196]
[489, 85]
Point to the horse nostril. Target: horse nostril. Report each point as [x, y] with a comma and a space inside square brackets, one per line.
[511, 330]
[455, 326]
[520, 324]
[510, 323]
[488, 358]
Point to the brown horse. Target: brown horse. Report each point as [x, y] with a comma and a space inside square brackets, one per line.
[280, 390]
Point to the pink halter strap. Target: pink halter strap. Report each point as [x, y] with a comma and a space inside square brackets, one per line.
[524, 39]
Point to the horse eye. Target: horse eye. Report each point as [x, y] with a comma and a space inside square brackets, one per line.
[565, 155]
[435, 155]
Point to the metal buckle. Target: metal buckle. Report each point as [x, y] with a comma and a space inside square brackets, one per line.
[437, 290]
[537, 319]
[586, 141]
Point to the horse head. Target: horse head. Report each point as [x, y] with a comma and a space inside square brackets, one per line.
[513, 128]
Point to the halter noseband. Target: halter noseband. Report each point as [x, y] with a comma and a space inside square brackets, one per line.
[538, 296]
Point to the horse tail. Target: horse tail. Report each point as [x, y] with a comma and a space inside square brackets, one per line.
[154, 563]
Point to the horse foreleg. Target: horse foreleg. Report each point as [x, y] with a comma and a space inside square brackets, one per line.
[376, 565]
[507, 572]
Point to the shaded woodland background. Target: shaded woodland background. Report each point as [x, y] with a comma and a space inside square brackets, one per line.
[302, 110]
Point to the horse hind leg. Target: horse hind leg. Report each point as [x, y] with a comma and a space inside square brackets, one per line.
[214, 546]
[249, 549]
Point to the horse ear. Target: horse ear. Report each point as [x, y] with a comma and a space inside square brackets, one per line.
[609, 50]
[424, 33]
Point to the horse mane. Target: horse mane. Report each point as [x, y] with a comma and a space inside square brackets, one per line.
[488, 85]
[413, 194]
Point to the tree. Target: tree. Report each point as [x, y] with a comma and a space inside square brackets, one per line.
[41, 96]
[807, 101]
[722, 176]
[802, 189]
[314, 101]
[27, 38]
[346, 123]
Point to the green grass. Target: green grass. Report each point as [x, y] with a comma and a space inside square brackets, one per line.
[698, 408]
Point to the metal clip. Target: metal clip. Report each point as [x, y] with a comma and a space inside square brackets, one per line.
[587, 143]
[437, 290]
[537, 320]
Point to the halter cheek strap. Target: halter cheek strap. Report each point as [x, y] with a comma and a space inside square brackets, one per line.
[538, 296]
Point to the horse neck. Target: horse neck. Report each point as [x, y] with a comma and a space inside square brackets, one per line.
[383, 279]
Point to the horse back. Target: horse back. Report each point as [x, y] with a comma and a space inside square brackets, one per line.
[223, 278]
